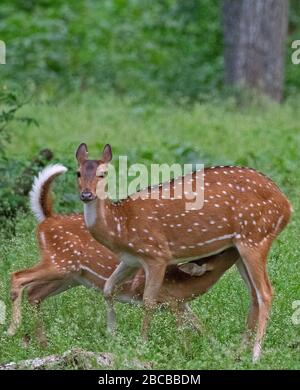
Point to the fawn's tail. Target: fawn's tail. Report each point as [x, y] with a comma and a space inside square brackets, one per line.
[40, 198]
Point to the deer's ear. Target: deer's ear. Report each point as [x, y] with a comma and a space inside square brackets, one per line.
[106, 154]
[82, 153]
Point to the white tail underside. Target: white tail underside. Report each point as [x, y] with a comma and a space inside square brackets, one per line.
[37, 188]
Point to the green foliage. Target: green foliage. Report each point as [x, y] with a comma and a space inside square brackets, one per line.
[162, 48]
[11, 186]
[10, 103]
[150, 50]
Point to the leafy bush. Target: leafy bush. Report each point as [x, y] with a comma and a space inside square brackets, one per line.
[159, 49]
[169, 48]
[13, 173]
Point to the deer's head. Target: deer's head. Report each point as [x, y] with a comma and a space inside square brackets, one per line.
[91, 172]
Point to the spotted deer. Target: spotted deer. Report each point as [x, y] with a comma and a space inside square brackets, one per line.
[243, 209]
[70, 256]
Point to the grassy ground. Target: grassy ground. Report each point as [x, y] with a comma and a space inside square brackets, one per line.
[265, 137]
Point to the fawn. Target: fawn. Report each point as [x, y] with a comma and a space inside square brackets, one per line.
[242, 209]
[70, 256]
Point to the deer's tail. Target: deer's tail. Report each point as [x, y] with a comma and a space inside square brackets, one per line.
[40, 197]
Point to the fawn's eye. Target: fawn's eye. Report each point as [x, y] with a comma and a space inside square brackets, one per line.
[78, 174]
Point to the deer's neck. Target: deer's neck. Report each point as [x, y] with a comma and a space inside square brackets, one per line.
[99, 216]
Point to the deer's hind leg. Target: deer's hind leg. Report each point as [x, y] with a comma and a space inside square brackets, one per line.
[254, 259]
[37, 293]
[16, 297]
[254, 308]
[21, 280]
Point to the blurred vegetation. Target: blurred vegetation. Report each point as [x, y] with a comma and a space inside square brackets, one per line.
[15, 174]
[147, 49]
[150, 50]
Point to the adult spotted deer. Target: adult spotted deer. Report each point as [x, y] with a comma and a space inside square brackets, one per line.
[69, 257]
[242, 209]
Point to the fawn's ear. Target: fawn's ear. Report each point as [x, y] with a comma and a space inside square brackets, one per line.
[106, 154]
[82, 153]
[194, 269]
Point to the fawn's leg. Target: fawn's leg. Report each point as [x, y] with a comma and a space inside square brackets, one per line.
[38, 293]
[16, 312]
[120, 274]
[191, 317]
[184, 315]
[21, 280]
[155, 271]
[39, 326]
[254, 259]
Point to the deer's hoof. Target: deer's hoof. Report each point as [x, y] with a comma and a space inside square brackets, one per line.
[256, 353]
[10, 332]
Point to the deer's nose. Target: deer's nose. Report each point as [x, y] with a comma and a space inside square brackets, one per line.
[86, 196]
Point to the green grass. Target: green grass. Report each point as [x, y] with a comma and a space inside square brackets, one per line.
[263, 136]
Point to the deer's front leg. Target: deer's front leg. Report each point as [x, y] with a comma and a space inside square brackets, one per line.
[120, 274]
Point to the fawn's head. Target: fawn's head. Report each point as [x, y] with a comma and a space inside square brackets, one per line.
[91, 172]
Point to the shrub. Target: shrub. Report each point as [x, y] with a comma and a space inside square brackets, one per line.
[13, 184]
[151, 50]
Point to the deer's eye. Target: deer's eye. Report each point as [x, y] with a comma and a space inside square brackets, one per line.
[78, 174]
[101, 175]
